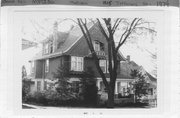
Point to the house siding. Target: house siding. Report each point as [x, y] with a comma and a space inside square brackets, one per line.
[39, 68]
[54, 63]
[81, 47]
[89, 63]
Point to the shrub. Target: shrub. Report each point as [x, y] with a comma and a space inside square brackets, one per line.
[40, 97]
[53, 97]
[25, 90]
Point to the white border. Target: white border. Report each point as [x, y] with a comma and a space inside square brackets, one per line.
[164, 58]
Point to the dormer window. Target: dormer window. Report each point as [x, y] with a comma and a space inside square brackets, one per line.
[51, 47]
[96, 46]
[46, 48]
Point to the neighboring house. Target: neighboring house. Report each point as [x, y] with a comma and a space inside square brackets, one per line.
[152, 91]
[27, 44]
[70, 50]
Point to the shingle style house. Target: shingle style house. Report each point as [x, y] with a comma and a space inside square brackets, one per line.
[71, 50]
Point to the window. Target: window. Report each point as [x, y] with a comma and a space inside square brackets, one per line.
[118, 87]
[102, 64]
[124, 89]
[47, 65]
[38, 85]
[32, 67]
[76, 63]
[75, 86]
[46, 48]
[51, 47]
[96, 46]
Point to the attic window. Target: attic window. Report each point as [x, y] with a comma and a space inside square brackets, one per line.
[98, 46]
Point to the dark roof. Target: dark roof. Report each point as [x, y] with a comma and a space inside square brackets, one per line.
[126, 67]
[72, 37]
[153, 79]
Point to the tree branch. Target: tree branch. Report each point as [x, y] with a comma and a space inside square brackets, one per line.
[102, 29]
[87, 36]
[127, 32]
[116, 24]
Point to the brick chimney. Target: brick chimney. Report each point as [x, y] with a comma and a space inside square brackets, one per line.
[55, 35]
[128, 58]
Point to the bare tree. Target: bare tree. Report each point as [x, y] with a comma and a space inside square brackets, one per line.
[108, 27]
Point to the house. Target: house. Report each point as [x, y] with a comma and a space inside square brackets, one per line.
[152, 91]
[70, 50]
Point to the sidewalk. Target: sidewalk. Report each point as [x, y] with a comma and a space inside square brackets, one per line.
[29, 106]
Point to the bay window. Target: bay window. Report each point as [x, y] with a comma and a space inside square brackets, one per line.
[77, 63]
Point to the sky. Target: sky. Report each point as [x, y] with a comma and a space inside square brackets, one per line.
[140, 47]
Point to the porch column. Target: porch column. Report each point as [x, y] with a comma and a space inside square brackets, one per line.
[116, 87]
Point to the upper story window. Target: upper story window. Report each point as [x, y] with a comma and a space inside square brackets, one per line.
[77, 63]
[98, 46]
[51, 47]
[47, 65]
[46, 48]
[102, 64]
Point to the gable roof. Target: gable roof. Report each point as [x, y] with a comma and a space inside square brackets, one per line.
[153, 79]
[71, 39]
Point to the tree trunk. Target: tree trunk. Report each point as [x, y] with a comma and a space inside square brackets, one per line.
[110, 102]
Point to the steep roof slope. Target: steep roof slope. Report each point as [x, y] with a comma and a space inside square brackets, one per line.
[71, 38]
[126, 67]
